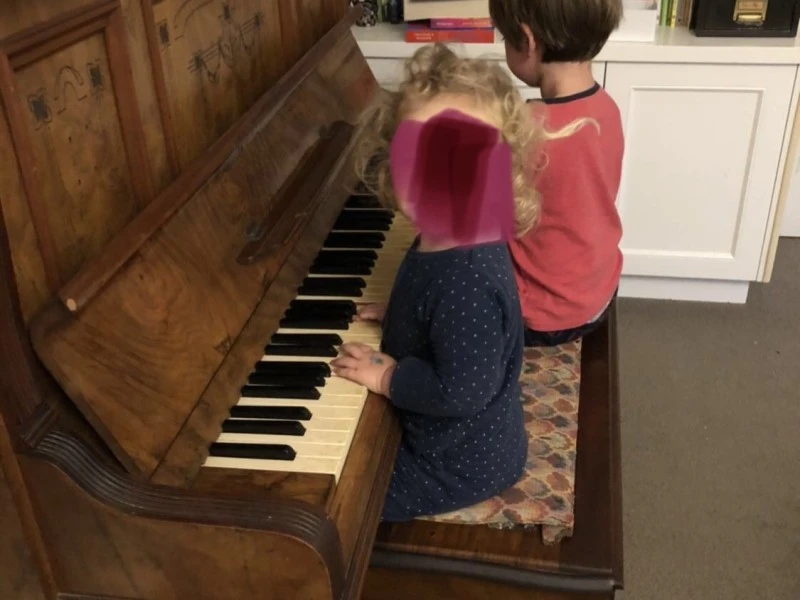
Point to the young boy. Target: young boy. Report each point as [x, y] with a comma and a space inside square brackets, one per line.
[568, 267]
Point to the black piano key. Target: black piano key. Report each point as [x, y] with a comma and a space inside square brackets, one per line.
[339, 270]
[330, 257]
[384, 216]
[294, 413]
[285, 392]
[332, 286]
[259, 426]
[299, 368]
[362, 201]
[344, 304]
[340, 255]
[333, 282]
[343, 265]
[292, 316]
[333, 311]
[339, 292]
[370, 213]
[296, 350]
[260, 451]
[363, 224]
[271, 380]
[365, 240]
[312, 322]
[310, 339]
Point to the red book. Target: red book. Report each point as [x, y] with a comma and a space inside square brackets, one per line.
[461, 24]
[416, 33]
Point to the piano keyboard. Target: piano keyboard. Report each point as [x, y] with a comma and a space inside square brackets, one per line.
[294, 415]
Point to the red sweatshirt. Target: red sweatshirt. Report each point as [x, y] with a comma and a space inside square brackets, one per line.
[569, 265]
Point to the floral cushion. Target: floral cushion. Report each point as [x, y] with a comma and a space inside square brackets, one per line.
[544, 495]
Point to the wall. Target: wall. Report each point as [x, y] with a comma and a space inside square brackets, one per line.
[790, 224]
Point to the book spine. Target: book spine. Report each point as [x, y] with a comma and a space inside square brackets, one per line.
[461, 24]
[466, 36]
[394, 11]
[663, 12]
[673, 17]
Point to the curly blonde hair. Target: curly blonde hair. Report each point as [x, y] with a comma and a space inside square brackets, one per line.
[434, 70]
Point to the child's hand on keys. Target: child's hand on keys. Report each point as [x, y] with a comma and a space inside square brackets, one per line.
[363, 365]
[371, 312]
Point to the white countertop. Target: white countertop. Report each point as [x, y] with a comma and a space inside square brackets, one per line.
[673, 45]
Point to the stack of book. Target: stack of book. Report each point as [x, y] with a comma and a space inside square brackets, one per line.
[465, 31]
[675, 13]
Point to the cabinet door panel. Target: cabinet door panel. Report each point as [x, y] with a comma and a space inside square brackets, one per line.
[703, 144]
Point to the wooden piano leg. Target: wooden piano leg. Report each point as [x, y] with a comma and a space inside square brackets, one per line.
[112, 537]
[398, 584]
[18, 576]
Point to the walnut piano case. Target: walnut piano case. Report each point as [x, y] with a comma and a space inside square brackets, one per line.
[151, 342]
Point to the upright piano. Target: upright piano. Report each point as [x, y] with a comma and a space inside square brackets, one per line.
[172, 429]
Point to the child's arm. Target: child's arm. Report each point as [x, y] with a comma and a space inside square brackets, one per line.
[467, 336]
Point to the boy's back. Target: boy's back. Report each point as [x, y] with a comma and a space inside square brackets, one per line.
[568, 267]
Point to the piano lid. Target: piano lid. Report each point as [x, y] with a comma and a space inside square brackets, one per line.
[137, 336]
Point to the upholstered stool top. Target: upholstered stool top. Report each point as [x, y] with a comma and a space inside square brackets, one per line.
[544, 496]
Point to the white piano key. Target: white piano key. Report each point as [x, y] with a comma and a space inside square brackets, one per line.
[327, 399]
[385, 279]
[281, 358]
[368, 298]
[356, 330]
[336, 386]
[327, 466]
[311, 436]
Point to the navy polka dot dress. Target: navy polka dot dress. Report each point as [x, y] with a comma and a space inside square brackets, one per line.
[454, 325]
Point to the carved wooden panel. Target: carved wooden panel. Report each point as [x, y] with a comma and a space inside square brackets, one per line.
[74, 133]
[216, 57]
[213, 58]
[20, 15]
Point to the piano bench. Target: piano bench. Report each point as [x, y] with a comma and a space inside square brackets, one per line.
[493, 549]
[544, 495]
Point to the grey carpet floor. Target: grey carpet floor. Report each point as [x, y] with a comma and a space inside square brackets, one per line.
[711, 443]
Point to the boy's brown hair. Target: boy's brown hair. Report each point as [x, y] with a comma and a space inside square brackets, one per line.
[565, 30]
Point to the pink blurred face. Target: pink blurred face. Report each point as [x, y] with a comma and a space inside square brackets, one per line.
[452, 174]
[423, 113]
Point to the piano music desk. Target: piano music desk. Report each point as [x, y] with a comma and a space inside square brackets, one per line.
[433, 560]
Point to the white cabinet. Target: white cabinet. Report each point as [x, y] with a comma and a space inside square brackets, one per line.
[707, 125]
[790, 226]
[388, 72]
[703, 149]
